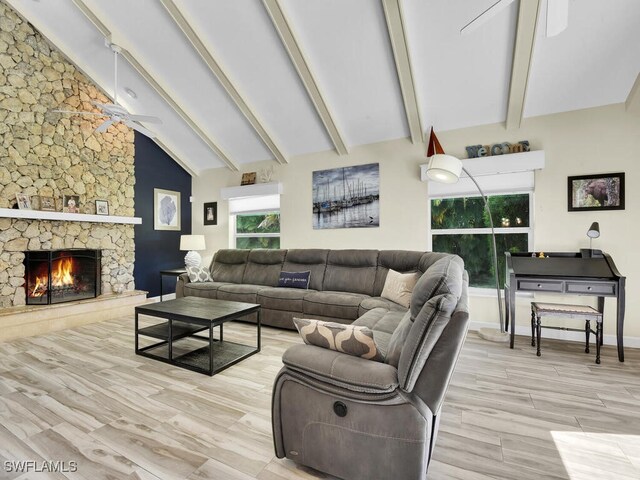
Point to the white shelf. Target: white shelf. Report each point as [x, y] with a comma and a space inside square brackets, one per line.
[67, 217]
[256, 190]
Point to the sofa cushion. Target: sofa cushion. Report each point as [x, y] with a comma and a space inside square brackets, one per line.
[239, 292]
[229, 265]
[199, 274]
[333, 304]
[203, 289]
[294, 279]
[312, 260]
[397, 340]
[379, 302]
[398, 287]
[351, 271]
[426, 328]
[350, 339]
[285, 299]
[443, 276]
[263, 267]
[403, 261]
[383, 324]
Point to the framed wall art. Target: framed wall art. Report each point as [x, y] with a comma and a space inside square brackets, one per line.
[71, 204]
[102, 207]
[211, 213]
[166, 208]
[603, 191]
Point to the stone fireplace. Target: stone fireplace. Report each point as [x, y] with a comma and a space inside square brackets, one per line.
[57, 276]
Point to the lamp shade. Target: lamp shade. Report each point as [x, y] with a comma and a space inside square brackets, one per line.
[444, 168]
[594, 230]
[192, 242]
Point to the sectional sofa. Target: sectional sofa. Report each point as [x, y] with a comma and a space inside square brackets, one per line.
[344, 284]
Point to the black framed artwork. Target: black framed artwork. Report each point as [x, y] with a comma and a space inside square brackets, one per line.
[600, 191]
[211, 213]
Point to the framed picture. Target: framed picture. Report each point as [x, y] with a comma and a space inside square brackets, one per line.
[102, 207]
[604, 191]
[166, 208]
[211, 213]
[248, 178]
[24, 201]
[71, 204]
[47, 204]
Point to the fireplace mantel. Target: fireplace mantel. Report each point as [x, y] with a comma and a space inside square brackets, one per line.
[67, 217]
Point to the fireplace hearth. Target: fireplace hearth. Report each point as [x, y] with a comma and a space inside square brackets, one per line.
[57, 276]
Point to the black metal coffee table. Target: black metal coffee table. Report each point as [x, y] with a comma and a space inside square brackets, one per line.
[187, 316]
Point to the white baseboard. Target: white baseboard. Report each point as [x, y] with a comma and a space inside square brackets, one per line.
[165, 297]
[525, 330]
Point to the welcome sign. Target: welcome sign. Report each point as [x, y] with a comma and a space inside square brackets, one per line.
[474, 151]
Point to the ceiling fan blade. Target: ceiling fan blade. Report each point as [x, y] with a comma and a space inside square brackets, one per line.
[146, 132]
[103, 127]
[557, 17]
[488, 14]
[75, 112]
[145, 118]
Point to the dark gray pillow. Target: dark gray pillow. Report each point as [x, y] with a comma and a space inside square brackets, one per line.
[443, 276]
[294, 279]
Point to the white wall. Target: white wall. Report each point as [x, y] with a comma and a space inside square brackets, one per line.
[598, 140]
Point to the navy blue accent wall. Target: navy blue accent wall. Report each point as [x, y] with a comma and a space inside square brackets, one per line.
[157, 249]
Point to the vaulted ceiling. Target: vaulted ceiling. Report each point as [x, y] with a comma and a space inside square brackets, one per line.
[238, 81]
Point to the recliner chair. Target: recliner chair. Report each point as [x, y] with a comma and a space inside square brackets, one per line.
[361, 419]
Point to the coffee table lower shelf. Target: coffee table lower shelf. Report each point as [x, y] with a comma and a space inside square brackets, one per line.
[224, 354]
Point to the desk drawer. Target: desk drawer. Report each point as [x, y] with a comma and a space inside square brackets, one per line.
[541, 286]
[592, 289]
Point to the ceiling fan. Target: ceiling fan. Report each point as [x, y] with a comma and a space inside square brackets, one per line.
[557, 16]
[116, 113]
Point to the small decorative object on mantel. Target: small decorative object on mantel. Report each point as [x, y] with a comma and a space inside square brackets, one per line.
[102, 207]
[248, 178]
[71, 204]
[475, 151]
[24, 201]
[211, 213]
[47, 204]
[596, 192]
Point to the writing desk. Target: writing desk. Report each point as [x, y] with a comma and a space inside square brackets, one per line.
[589, 272]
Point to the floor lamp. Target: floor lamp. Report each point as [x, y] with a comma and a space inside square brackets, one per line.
[447, 169]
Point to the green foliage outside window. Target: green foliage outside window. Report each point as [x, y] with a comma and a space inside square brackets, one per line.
[508, 211]
[254, 226]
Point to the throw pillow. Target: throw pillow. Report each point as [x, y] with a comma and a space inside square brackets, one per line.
[199, 274]
[399, 286]
[294, 279]
[350, 339]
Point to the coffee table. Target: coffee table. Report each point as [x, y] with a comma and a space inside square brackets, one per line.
[184, 319]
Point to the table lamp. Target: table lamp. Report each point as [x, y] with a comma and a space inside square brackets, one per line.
[192, 243]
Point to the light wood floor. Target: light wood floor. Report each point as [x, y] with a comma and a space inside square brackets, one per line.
[82, 395]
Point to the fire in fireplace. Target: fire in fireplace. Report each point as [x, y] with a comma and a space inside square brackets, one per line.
[56, 276]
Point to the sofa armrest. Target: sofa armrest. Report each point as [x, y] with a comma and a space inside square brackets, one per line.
[346, 371]
[180, 283]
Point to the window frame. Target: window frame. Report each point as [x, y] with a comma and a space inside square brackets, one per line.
[234, 235]
[485, 291]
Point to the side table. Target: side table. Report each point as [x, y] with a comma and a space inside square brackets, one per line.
[173, 272]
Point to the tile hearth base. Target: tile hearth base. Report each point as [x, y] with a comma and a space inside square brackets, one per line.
[26, 321]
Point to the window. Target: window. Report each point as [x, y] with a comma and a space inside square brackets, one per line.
[257, 230]
[461, 225]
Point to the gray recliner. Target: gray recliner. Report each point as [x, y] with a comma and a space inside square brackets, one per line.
[362, 419]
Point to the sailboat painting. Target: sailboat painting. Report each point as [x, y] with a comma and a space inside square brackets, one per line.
[347, 197]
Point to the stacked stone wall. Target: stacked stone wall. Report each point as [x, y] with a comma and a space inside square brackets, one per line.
[43, 153]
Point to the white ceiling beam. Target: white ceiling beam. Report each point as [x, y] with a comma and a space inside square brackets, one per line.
[633, 100]
[290, 42]
[522, 53]
[162, 91]
[223, 78]
[399, 44]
